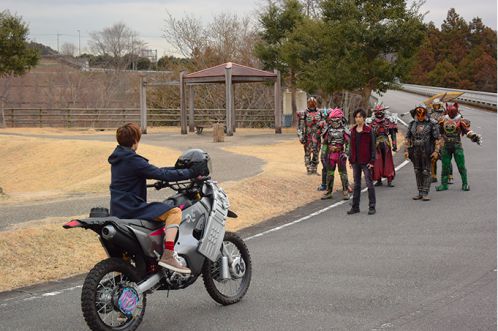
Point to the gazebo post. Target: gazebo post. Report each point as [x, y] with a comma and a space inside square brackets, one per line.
[191, 123]
[278, 103]
[143, 104]
[234, 119]
[229, 96]
[183, 110]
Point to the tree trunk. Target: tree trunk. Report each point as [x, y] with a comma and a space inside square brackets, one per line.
[293, 97]
[366, 93]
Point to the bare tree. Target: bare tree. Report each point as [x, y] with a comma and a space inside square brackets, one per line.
[226, 38]
[186, 35]
[116, 41]
[68, 49]
[312, 8]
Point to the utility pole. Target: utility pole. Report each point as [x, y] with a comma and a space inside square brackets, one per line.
[133, 62]
[79, 43]
[58, 34]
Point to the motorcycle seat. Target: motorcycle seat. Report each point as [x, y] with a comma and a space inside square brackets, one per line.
[150, 225]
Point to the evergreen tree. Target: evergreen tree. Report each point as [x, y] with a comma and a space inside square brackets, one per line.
[278, 21]
[16, 57]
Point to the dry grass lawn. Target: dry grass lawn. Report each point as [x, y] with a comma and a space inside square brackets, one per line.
[35, 168]
[42, 250]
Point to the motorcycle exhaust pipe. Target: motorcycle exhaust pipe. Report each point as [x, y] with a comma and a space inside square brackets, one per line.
[108, 232]
[225, 273]
[120, 239]
[149, 283]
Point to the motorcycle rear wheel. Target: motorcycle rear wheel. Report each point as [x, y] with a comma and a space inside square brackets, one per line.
[99, 293]
[216, 287]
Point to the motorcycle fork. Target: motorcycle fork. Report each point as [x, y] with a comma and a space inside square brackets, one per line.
[226, 261]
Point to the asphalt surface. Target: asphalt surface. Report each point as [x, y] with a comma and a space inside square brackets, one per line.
[413, 266]
[227, 166]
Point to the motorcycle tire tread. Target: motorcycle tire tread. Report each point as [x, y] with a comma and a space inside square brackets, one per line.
[209, 280]
[88, 292]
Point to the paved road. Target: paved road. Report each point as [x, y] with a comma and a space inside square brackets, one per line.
[412, 266]
[227, 166]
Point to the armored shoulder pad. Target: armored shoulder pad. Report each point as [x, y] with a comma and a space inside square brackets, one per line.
[465, 123]
[392, 118]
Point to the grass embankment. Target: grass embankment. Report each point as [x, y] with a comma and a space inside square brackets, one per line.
[42, 250]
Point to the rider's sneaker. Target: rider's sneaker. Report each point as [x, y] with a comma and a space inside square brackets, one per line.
[322, 187]
[169, 261]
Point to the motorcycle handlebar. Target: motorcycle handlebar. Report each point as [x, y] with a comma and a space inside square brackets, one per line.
[160, 184]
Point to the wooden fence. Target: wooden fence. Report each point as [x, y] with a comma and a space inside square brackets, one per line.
[113, 117]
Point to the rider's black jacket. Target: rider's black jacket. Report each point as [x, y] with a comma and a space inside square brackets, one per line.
[129, 172]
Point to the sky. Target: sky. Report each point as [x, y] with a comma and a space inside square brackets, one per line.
[50, 20]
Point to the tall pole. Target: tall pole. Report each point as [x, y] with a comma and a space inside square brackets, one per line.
[143, 104]
[228, 98]
[278, 103]
[2, 123]
[58, 34]
[79, 43]
[191, 122]
[183, 107]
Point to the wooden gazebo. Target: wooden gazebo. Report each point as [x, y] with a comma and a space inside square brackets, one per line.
[230, 74]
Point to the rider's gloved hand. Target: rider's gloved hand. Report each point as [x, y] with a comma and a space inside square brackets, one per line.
[199, 169]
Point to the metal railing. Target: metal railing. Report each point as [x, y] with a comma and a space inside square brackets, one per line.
[113, 117]
[482, 99]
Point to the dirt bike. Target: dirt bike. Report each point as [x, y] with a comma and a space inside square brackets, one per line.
[114, 294]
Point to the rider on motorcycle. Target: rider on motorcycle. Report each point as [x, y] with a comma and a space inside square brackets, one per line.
[129, 172]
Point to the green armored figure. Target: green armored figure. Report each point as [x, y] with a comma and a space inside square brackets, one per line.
[453, 126]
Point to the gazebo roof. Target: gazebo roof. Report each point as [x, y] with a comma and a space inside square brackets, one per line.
[240, 74]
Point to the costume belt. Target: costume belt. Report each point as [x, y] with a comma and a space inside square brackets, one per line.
[419, 142]
[383, 139]
[335, 149]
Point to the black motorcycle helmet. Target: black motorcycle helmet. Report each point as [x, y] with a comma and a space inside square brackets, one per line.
[194, 156]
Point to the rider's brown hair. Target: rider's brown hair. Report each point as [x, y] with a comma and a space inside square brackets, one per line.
[128, 134]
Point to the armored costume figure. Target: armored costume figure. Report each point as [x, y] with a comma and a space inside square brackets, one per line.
[323, 186]
[335, 147]
[384, 126]
[453, 126]
[422, 145]
[437, 113]
[308, 131]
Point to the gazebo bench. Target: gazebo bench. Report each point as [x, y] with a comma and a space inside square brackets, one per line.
[203, 125]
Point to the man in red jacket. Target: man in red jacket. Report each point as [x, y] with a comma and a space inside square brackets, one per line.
[362, 159]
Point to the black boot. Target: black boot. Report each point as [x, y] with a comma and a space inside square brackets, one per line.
[353, 211]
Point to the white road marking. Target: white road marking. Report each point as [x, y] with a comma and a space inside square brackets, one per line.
[50, 294]
[404, 163]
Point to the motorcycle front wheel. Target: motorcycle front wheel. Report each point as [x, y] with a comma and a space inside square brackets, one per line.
[231, 289]
[109, 300]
